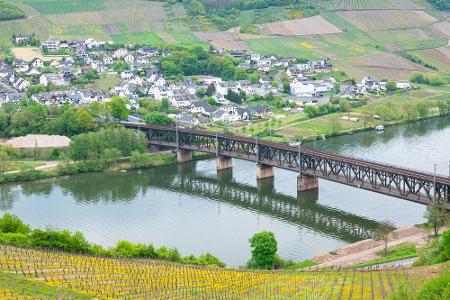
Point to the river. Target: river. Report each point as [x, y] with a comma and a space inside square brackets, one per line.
[192, 208]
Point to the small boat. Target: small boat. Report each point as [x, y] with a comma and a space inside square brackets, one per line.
[379, 128]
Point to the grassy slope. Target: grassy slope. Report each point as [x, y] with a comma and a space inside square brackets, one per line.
[10, 12]
[17, 286]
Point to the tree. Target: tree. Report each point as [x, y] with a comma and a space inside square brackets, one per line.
[391, 86]
[286, 84]
[417, 77]
[422, 109]
[436, 216]
[264, 249]
[233, 97]
[310, 111]
[118, 107]
[157, 118]
[210, 90]
[334, 122]
[119, 66]
[382, 233]
[443, 107]
[4, 161]
[164, 104]
[84, 120]
[344, 104]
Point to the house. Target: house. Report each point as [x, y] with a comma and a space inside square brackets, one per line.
[284, 62]
[20, 39]
[56, 79]
[320, 64]
[264, 65]
[403, 85]
[187, 120]
[21, 66]
[126, 74]
[255, 57]
[20, 83]
[108, 60]
[225, 86]
[142, 60]
[209, 80]
[37, 63]
[369, 84]
[148, 51]
[182, 101]
[293, 71]
[52, 45]
[136, 80]
[224, 115]
[33, 72]
[348, 91]
[259, 111]
[129, 58]
[203, 108]
[265, 80]
[120, 53]
[11, 96]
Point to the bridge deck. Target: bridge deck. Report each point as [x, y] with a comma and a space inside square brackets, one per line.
[413, 185]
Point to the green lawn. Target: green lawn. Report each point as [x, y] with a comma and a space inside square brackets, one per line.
[17, 286]
[399, 252]
[105, 83]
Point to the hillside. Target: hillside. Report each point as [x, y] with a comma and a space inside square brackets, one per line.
[10, 12]
[143, 279]
[389, 39]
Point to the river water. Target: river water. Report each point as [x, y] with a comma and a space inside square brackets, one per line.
[193, 208]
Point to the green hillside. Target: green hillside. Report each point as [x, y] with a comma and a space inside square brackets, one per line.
[371, 28]
[10, 12]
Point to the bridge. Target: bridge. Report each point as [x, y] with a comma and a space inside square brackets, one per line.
[309, 164]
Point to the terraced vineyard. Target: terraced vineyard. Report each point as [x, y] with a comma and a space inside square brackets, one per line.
[121, 278]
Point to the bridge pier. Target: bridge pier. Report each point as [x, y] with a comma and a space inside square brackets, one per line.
[184, 155]
[264, 171]
[266, 185]
[224, 163]
[306, 183]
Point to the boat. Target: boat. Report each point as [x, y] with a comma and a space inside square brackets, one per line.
[379, 128]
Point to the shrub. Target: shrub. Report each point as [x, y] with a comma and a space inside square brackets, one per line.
[13, 224]
[14, 239]
[438, 288]
[63, 240]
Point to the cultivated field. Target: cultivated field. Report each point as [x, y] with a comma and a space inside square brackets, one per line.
[439, 57]
[373, 4]
[223, 40]
[443, 28]
[28, 53]
[308, 26]
[382, 66]
[139, 279]
[371, 20]
[408, 39]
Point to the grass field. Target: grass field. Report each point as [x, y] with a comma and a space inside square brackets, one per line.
[65, 6]
[139, 279]
[28, 53]
[374, 4]
[284, 46]
[105, 83]
[392, 108]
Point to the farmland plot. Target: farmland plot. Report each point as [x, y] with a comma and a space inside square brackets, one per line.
[439, 57]
[28, 53]
[373, 4]
[370, 20]
[65, 6]
[223, 40]
[407, 39]
[308, 26]
[442, 28]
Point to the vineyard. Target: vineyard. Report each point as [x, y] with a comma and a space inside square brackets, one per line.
[134, 278]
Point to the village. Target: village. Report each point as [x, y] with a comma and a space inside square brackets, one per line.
[194, 100]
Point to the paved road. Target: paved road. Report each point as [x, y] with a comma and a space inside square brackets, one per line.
[406, 263]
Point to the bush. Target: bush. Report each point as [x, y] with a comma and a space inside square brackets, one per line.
[264, 249]
[63, 240]
[15, 239]
[438, 288]
[13, 224]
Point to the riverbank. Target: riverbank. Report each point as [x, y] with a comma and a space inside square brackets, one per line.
[402, 244]
[124, 164]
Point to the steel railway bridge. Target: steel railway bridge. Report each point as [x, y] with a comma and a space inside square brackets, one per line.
[417, 186]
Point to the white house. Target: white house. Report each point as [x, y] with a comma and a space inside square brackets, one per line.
[120, 53]
[126, 74]
[56, 79]
[37, 63]
[182, 101]
[129, 58]
[108, 60]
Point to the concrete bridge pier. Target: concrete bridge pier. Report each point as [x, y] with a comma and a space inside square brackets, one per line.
[224, 163]
[306, 183]
[184, 155]
[264, 171]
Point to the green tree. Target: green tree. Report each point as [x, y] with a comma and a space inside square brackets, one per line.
[286, 84]
[119, 66]
[422, 109]
[4, 161]
[84, 120]
[13, 224]
[157, 118]
[165, 104]
[443, 107]
[118, 107]
[310, 111]
[391, 86]
[264, 248]
[382, 233]
[344, 105]
[240, 74]
[436, 216]
[417, 77]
